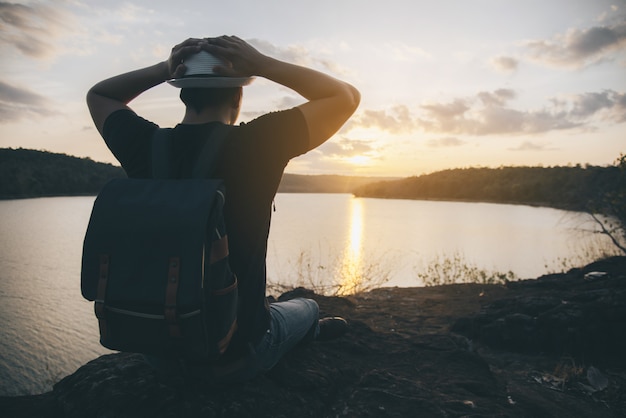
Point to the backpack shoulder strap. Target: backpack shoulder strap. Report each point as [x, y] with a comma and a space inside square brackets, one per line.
[160, 153]
[207, 159]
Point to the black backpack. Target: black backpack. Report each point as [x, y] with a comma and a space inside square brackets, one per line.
[155, 260]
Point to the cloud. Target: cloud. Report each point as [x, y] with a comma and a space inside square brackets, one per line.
[32, 29]
[128, 12]
[531, 146]
[346, 148]
[488, 113]
[447, 111]
[496, 98]
[609, 104]
[398, 51]
[289, 101]
[396, 120]
[578, 48]
[504, 64]
[446, 142]
[337, 156]
[297, 54]
[293, 53]
[491, 113]
[17, 103]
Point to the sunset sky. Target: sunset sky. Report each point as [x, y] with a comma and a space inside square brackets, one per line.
[444, 83]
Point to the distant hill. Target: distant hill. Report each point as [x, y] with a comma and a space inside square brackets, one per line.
[559, 187]
[30, 173]
[296, 183]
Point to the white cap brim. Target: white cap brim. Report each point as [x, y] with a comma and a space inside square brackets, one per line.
[210, 82]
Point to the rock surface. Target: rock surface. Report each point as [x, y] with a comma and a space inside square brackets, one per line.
[550, 347]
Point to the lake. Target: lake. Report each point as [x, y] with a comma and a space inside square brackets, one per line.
[333, 242]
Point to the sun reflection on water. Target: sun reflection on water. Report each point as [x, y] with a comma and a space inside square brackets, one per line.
[352, 258]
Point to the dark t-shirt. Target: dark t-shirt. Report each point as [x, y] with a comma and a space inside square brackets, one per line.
[252, 163]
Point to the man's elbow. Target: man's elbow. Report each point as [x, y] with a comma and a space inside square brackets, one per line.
[353, 98]
[100, 107]
[92, 98]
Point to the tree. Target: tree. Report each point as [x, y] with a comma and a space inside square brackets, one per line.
[611, 203]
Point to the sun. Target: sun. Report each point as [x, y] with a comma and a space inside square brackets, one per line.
[359, 160]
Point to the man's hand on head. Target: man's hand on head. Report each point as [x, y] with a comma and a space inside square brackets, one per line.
[175, 62]
[240, 58]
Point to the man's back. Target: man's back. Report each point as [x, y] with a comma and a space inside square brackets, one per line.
[251, 164]
[255, 156]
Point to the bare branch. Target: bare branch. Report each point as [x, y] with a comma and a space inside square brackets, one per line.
[607, 232]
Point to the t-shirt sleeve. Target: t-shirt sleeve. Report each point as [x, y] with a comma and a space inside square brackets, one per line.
[128, 137]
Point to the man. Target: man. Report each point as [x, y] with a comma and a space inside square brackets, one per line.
[252, 163]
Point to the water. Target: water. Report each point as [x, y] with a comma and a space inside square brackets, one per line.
[322, 237]
[47, 330]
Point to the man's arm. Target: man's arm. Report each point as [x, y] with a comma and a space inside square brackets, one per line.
[115, 93]
[330, 101]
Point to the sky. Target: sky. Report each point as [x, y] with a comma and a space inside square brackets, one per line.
[444, 83]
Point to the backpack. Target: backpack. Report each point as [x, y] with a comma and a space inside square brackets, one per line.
[155, 260]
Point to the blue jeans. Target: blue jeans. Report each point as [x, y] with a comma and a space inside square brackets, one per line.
[291, 322]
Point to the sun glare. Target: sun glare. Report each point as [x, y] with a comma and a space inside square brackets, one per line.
[359, 160]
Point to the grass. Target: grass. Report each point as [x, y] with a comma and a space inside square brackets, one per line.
[581, 255]
[341, 276]
[451, 269]
[567, 370]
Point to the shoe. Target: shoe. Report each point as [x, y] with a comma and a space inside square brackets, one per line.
[331, 328]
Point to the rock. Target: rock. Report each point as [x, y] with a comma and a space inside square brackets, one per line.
[584, 320]
[597, 379]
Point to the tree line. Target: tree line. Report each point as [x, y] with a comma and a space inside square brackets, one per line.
[30, 173]
[560, 187]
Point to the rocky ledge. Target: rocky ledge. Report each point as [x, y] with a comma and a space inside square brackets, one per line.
[549, 347]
